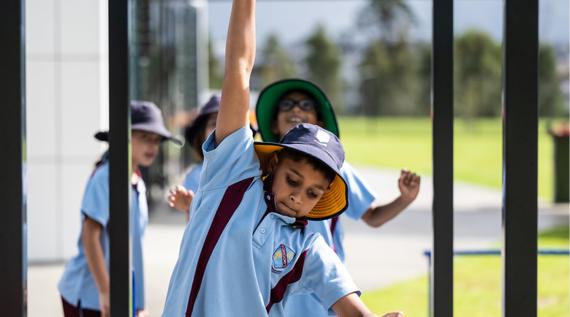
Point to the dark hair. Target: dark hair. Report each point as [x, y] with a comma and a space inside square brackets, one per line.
[196, 136]
[315, 163]
[302, 91]
[102, 159]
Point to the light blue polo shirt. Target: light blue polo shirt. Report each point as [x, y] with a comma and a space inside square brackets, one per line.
[360, 197]
[192, 178]
[77, 285]
[238, 257]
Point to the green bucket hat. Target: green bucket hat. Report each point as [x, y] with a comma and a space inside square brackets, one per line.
[267, 106]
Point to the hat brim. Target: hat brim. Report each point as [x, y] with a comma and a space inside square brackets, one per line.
[104, 135]
[267, 106]
[198, 124]
[332, 203]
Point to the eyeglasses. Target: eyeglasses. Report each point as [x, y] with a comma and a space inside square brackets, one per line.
[303, 104]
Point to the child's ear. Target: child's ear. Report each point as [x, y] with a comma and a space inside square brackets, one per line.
[271, 164]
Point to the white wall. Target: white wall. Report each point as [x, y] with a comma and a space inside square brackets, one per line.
[67, 101]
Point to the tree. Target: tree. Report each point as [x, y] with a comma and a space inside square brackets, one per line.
[390, 81]
[323, 62]
[388, 20]
[373, 63]
[424, 77]
[477, 75]
[275, 63]
[550, 102]
[389, 67]
[215, 75]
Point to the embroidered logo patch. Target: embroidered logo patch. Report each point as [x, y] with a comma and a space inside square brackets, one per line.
[323, 137]
[282, 256]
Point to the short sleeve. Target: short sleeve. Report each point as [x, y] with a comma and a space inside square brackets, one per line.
[232, 160]
[192, 178]
[360, 196]
[95, 203]
[325, 275]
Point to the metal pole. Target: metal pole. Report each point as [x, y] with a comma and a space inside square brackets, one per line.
[13, 266]
[441, 282]
[119, 160]
[520, 141]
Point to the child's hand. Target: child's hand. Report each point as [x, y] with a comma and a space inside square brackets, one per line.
[104, 304]
[409, 185]
[142, 313]
[180, 198]
[395, 314]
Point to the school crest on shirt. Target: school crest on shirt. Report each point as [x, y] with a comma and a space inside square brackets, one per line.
[282, 256]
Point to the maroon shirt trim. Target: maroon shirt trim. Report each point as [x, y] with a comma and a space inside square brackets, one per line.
[334, 221]
[230, 202]
[278, 292]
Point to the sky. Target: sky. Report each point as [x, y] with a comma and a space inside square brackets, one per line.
[294, 20]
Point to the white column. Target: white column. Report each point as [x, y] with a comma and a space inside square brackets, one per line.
[66, 43]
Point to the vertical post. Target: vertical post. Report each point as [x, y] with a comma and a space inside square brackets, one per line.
[441, 283]
[119, 160]
[13, 266]
[520, 141]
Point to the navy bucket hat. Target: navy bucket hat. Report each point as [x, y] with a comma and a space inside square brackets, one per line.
[324, 146]
[212, 106]
[145, 116]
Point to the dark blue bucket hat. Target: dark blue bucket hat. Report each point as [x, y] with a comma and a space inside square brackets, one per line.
[212, 106]
[145, 116]
[322, 145]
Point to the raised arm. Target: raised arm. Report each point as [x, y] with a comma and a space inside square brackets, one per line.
[240, 55]
[409, 185]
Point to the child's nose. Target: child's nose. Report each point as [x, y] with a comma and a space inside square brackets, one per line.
[297, 109]
[294, 198]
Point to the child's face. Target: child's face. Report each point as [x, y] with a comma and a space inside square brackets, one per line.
[288, 118]
[297, 187]
[144, 147]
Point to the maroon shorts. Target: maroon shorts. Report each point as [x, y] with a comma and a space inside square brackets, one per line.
[73, 311]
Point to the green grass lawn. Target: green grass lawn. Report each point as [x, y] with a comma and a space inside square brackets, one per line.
[406, 142]
[477, 286]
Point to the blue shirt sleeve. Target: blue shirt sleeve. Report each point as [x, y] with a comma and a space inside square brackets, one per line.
[232, 160]
[95, 204]
[192, 179]
[360, 196]
[325, 275]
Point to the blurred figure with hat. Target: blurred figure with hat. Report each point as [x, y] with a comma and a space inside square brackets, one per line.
[84, 286]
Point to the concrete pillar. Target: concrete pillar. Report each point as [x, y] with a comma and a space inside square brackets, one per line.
[67, 95]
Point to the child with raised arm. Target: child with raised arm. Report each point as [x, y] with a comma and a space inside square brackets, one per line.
[244, 250]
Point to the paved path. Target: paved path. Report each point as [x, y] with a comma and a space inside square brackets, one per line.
[375, 257]
[380, 257]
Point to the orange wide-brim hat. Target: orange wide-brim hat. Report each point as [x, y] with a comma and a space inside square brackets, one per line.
[314, 141]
